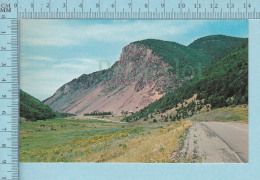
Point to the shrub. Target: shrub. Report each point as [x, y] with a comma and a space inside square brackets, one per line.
[154, 121]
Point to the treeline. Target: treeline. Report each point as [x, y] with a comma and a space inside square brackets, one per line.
[97, 113]
[33, 109]
[225, 83]
[64, 115]
[186, 111]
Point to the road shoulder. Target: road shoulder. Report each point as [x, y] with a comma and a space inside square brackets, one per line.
[203, 145]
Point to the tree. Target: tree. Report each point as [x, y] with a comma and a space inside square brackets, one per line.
[166, 119]
[229, 101]
[124, 113]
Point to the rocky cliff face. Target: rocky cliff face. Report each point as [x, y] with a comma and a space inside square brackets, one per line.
[145, 71]
[136, 80]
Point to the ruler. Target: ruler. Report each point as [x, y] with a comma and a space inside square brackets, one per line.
[11, 11]
[139, 9]
[9, 86]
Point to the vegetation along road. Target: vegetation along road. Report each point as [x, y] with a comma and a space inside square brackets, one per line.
[217, 142]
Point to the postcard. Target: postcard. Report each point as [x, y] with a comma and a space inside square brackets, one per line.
[134, 91]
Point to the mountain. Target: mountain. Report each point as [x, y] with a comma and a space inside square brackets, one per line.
[224, 83]
[182, 59]
[33, 109]
[216, 46]
[145, 72]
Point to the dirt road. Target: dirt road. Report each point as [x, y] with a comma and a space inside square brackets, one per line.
[106, 120]
[96, 119]
[216, 142]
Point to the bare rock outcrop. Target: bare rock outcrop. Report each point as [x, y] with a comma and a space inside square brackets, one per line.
[139, 78]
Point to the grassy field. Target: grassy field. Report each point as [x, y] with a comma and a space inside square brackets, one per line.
[88, 140]
[235, 114]
[83, 140]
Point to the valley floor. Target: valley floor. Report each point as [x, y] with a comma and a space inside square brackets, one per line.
[105, 139]
[88, 140]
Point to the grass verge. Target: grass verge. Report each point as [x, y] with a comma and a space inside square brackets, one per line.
[235, 114]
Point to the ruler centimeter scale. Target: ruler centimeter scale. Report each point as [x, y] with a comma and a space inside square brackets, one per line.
[140, 9]
[9, 91]
[13, 10]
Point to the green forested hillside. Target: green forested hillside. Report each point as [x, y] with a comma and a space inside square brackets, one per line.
[216, 46]
[33, 109]
[224, 83]
[182, 59]
[189, 60]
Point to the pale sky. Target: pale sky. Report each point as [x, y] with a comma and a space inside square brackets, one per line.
[53, 52]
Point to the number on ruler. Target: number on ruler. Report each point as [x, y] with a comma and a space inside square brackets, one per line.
[4, 129]
[3, 112]
[247, 5]
[3, 177]
[181, 5]
[63, 5]
[47, 5]
[113, 5]
[81, 5]
[32, 5]
[232, 5]
[4, 161]
[197, 5]
[3, 145]
[213, 5]
[3, 64]
[3, 48]
[3, 80]
[146, 5]
[97, 5]
[162, 5]
[3, 96]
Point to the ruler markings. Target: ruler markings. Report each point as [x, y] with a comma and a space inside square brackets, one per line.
[9, 150]
[185, 10]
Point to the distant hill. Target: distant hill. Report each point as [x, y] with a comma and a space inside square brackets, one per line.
[224, 83]
[216, 46]
[33, 109]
